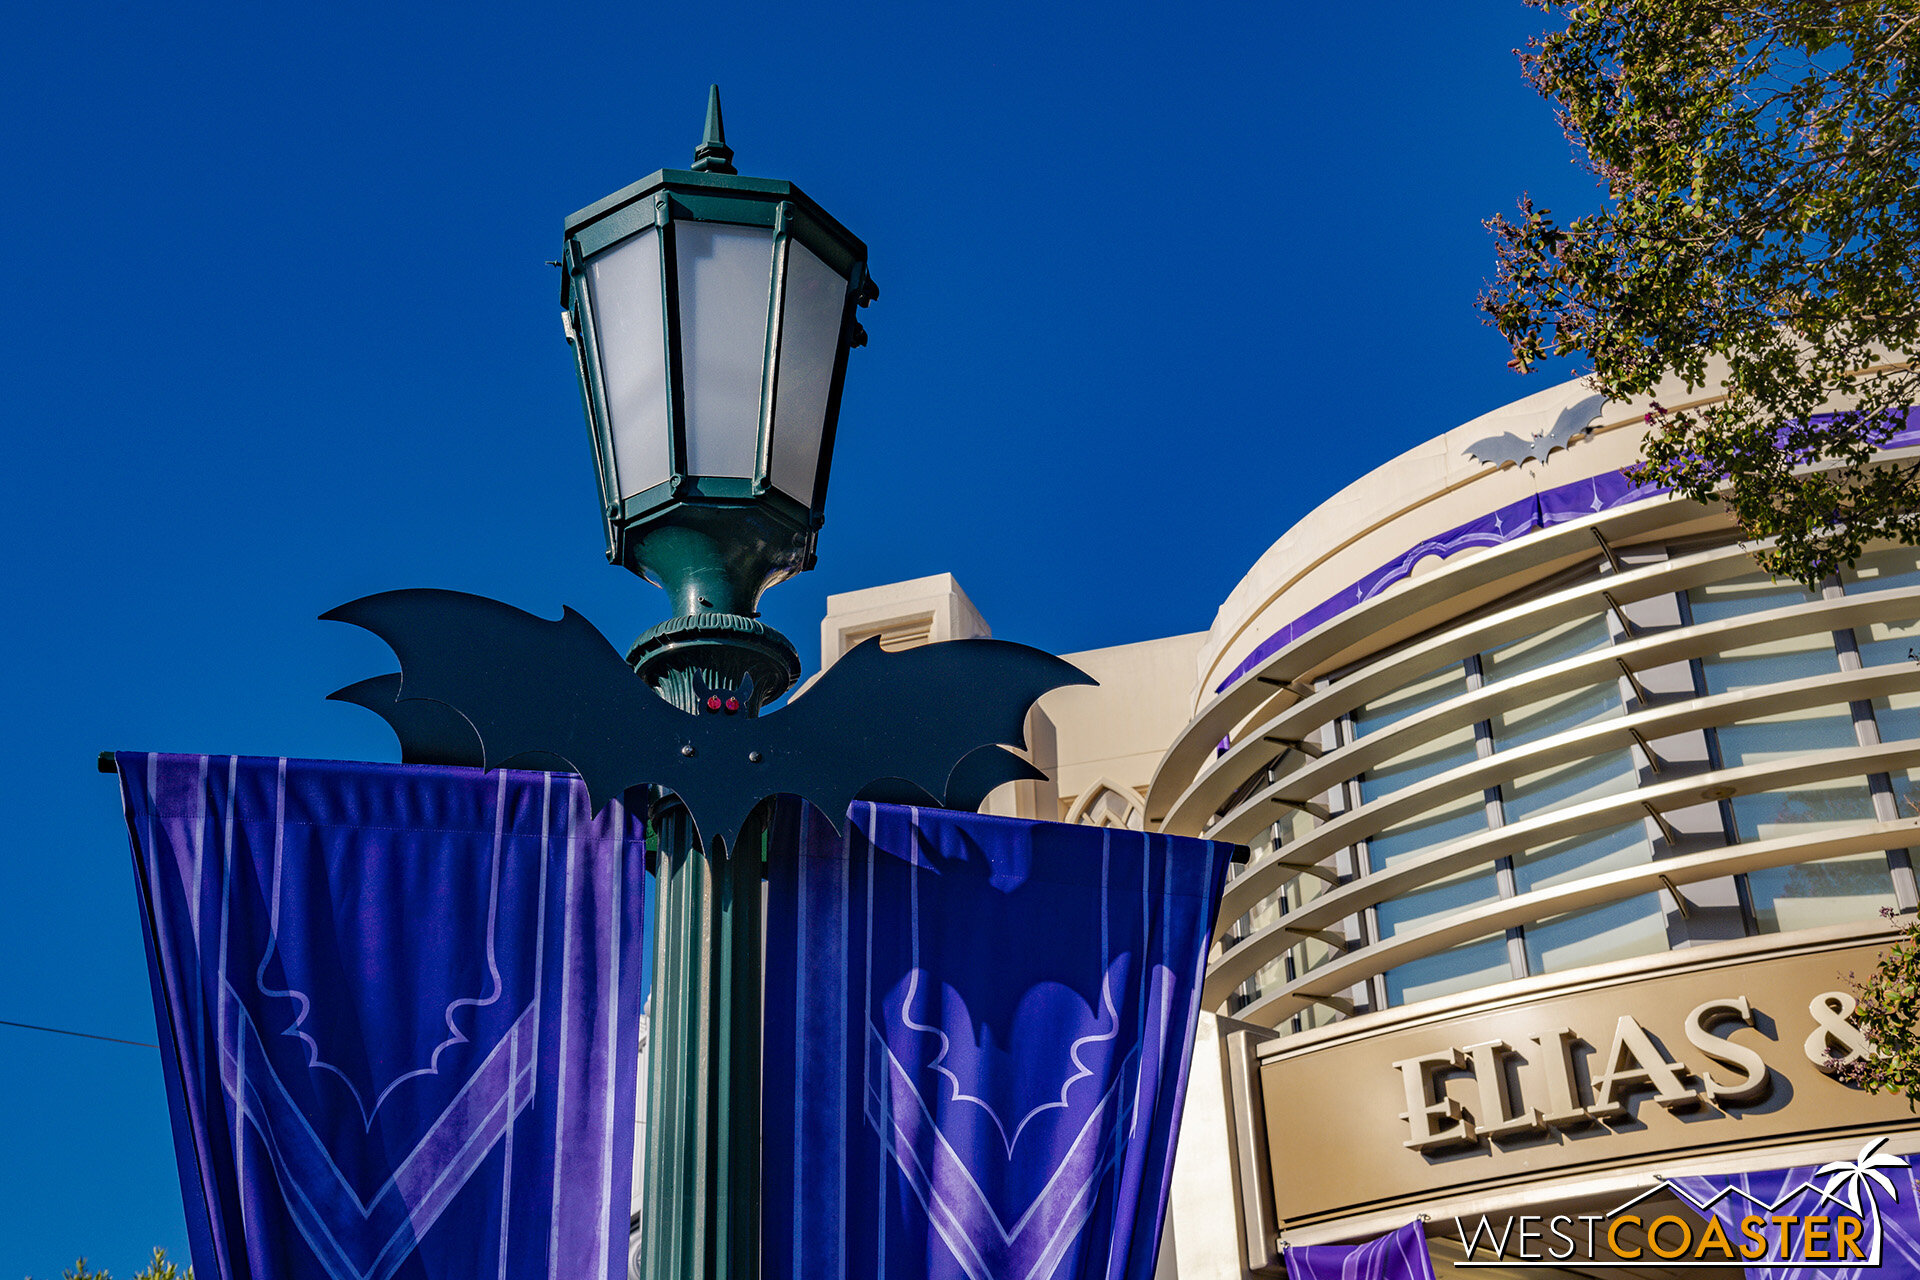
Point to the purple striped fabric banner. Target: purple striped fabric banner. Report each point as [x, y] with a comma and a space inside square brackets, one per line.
[398, 1009]
[977, 1041]
[1401, 1255]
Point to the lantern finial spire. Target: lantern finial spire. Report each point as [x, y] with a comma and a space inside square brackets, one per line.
[713, 155]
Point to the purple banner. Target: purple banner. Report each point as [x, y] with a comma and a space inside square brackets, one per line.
[398, 1008]
[980, 1028]
[1510, 523]
[1399, 1256]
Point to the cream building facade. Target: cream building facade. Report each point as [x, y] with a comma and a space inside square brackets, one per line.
[1521, 755]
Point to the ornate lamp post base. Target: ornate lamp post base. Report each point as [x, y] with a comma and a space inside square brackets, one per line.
[689, 655]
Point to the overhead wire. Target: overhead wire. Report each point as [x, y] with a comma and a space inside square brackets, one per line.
[84, 1035]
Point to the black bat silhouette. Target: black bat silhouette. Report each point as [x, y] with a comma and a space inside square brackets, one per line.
[482, 683]
[1575, 420]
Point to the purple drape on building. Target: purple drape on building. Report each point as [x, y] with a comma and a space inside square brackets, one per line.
[1797, 1192]
[398, 1009]
[1575, 500]
[1543, 510]
[1401, 1255]
[978, 1034]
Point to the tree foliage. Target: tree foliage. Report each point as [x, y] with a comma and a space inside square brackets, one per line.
[1888, 1014]
[159, 1268]
[1761, 167]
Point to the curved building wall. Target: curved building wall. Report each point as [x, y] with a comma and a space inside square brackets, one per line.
[1431, 488]
[1521, 752]
[1484, 722]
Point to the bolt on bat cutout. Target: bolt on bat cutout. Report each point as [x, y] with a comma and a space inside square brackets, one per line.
[484, 684]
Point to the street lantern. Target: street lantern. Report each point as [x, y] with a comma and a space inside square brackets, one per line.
[710, 316]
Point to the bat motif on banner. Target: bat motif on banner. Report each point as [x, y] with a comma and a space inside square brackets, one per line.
[1569, 424]
[484, 684]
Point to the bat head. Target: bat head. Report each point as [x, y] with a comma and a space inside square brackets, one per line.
[710, 699]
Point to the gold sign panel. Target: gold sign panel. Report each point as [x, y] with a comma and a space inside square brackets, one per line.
[1721, 1056]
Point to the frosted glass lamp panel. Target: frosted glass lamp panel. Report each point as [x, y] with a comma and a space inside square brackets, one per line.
[726, 283]
[1556, 713]
[1617, 931]
[1464, 968]
[1416, 695]
[624, 285]
[1812, 894]
[1421, 761]
[811, 312]
[1555, 644]
[1566, 785]
[1809, 807]
[1580, 857]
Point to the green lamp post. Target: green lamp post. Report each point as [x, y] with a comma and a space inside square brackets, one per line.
[710, 317]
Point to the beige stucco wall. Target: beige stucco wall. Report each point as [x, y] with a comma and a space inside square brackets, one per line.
[1112, 734]
[918, 611]
[1117, 731]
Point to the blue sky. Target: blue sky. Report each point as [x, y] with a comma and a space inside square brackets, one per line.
[278, 333]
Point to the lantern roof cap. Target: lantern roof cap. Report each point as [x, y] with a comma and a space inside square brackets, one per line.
[695, 182]
[716, 187]
[713, 155]
[713, 175]
[710, 197]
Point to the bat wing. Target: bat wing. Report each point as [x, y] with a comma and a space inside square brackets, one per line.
[482, 683]
[522, 686]
[1575, 420]
[1501, 449]
[983, 769]
[429, 732]
[920, 715]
